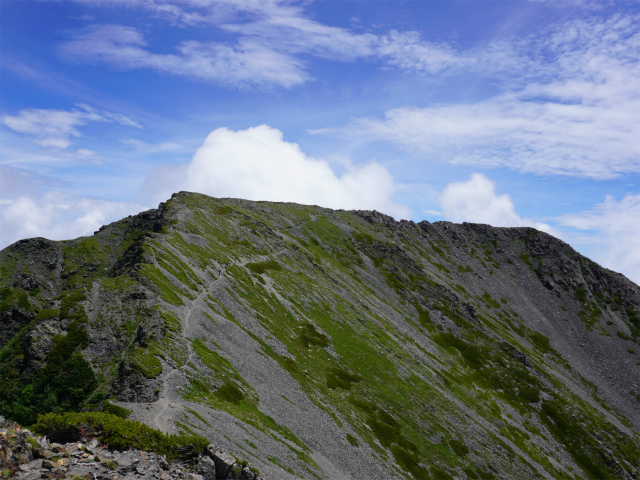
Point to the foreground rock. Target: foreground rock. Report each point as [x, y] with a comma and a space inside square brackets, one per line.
[24, 455]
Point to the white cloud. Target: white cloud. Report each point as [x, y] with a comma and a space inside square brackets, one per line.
[246, 63]
[476, 201]
[610, 234]
[570, 107]
[149, 148]
[56, 128]
[257, 164]
[28, 210]
[57, 216]
[16, 182]
[272, 35]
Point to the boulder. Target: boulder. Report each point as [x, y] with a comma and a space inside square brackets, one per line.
[224, 463]
[207, 468]
[245, 474]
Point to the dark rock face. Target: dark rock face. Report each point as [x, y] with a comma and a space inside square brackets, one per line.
[11, 321]
[340, 345]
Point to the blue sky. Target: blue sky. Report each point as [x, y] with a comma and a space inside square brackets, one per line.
[512, 112]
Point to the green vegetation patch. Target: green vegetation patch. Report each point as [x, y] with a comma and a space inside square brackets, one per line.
[570, 430]
[388, 431]
[526, 258]
[486, 298]
[64, 381]
[167, 291]
[580, 293]
[590, 314]
[118, 434]
[310, 336]
[263, 267]
[340, 378]
[144, 362]
[14, 296]
[459, 447]
[474, 356]
[541, 342]
[229, 392]
[46, 314]
[634, 319]
[116, 410]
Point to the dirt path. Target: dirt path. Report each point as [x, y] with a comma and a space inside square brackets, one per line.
[169, 389]
[168, 397]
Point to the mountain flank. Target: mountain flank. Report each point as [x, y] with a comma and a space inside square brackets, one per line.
[332, 344]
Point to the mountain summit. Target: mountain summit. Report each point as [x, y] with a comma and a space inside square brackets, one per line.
[332, 344]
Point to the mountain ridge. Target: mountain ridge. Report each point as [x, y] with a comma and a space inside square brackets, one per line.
[280, 328]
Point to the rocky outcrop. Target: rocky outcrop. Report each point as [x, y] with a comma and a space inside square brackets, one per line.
[27, 456]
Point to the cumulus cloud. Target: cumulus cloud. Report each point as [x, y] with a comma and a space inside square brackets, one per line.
[476, 201]
[56, 128]
[257, 164]
[571, 106]
[57, 216]
[609, 233]
[27, 209]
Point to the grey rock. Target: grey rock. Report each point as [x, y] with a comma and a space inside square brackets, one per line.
[245, 474]
[224, 463]
[207, 468]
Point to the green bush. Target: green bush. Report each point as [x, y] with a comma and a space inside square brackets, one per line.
[473, 355]
[580, 293]
[440, 474]
[541, 342]
[340, 378]
[118, 434]
[365, 406]
[623, 335]
[62, 384]
[230, 393]
[47, 313]
[459, 447]
[262, 267]
[116, 410]
[310, 336]
[352, 440]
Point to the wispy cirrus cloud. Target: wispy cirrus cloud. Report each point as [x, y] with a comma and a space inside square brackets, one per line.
[572, 107]
[151, 148]
[245, 63]
[273, 39]
[56, 128]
